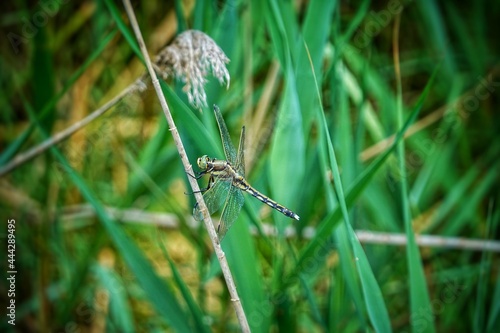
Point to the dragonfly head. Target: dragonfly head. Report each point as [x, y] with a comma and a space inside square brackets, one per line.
[203, 162]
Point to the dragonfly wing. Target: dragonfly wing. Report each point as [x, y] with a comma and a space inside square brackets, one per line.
[229, 149]
[232, 208]
[240, 160]
[214, 197]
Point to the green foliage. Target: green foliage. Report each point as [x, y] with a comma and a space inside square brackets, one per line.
[315, 130]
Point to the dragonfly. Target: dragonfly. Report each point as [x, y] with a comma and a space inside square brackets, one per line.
[227, 181]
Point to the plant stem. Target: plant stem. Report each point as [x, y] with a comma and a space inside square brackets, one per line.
[66, 133]
[189, 169]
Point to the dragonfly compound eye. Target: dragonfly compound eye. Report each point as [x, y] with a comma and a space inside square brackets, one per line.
[202, 162]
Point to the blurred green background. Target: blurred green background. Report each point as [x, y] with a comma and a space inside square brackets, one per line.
[104, 238]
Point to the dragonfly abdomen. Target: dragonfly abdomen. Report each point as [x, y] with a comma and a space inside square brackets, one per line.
[270, 202]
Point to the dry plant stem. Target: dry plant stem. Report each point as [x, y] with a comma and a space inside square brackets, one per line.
[188, 168]
[170, 221]
[365, 155]
[386, 143]
[66, 133]
[371, 237]
[420, 125]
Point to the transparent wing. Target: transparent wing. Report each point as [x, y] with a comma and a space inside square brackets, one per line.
[240, 160]
[229, 149]
[214, 197]
[231, 210]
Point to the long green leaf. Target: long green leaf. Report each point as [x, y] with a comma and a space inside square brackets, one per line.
[201, 326]
[117, 17]
[419, 294]
[159, 293]
[241, 255]
[323, 232]
[15, 146]
[374, 300]
[288, 160]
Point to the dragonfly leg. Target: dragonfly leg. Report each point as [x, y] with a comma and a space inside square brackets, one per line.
[203, 190]
[190, 175]
[198, 174]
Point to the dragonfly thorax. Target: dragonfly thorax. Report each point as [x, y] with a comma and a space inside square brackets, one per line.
[218, 168]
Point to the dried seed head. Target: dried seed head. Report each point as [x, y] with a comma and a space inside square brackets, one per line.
[189, 58]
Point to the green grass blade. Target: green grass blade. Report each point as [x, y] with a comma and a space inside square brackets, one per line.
[435, 30]
[373, 296]
[351, 277]
[196, 312]
[419, 294]
[241, 256]
[179, 11]
[470, 203]
[288, 160]
[43, 80]
[289, 120]
[14, 147]
[354, 24]
[464, 195]
[159, 294]
[120, 312]
[482, 286]
[494, 314]
[276, 26]
[190, 126]
[315, 30]
[117, 17]
[325, 228]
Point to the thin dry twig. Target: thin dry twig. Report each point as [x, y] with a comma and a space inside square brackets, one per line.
[66, 133]
[190, 57]
[425, 122]
[429, 241]
[240, 314]
[170, 221]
